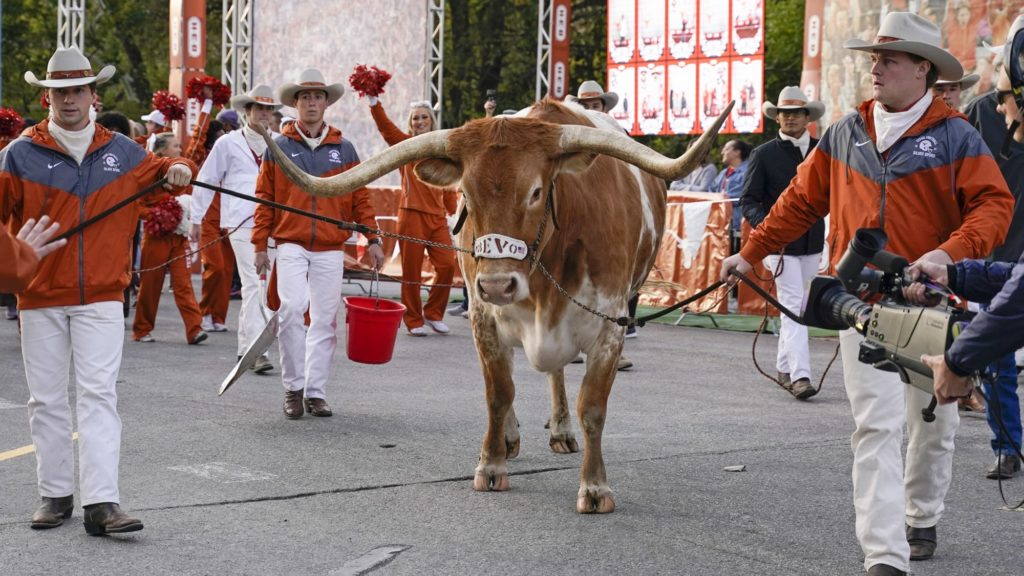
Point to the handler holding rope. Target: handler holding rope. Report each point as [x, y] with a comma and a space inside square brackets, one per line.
[907, 163]
[72, 309]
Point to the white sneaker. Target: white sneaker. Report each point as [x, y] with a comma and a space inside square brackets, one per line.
[418, 331]
[207, 324]
[465, 314]
[218, 328]
[439, 326]
[146, 338]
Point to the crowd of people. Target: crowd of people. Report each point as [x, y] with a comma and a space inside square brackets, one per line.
[906, 160]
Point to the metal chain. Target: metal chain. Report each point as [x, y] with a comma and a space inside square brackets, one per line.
[188, 253]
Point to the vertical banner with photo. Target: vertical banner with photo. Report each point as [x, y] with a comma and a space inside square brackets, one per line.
[622, 81]
[684, 56]
[746, 91]
[651, 30]
[682, 28]
[651, 95]
[621, 31]
[682, 97]
[558, 72]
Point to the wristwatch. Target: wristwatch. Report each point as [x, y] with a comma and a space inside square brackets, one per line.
[373, 242]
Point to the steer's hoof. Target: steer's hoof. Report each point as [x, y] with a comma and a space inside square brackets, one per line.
[595, 501]
[511, 448]
[563, 443]
[491, 478]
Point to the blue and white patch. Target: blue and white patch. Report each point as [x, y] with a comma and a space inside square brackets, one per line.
[334, 156]
[110, 163]
[925, 146]
[498, 246]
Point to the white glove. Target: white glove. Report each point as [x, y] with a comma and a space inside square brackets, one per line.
[372, 100]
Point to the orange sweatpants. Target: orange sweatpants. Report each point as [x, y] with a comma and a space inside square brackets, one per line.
[156, 251]
[428, 227]
[218, 269]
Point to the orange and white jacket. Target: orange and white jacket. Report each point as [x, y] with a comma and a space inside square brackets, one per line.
[333, 156]
[936, 187]
[38, 177]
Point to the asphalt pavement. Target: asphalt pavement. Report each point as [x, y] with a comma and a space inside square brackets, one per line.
[226, 485]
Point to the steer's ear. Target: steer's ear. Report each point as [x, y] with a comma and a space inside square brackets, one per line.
[439, 172]
[575, 162]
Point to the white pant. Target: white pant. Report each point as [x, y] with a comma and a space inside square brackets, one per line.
[313, 280]
[794, 357]
[883, 496]
[253, 315]
[92, 336]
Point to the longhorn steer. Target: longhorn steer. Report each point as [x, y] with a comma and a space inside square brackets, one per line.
[546, 189]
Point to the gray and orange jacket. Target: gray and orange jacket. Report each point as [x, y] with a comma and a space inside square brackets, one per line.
[415, 194]
[936, 187]
[37, 177]
[333, 156]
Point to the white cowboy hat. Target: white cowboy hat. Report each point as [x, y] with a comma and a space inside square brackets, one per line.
[910, 33]
[156, 117]
[310, 79]
[68, 67]
[591, 89]
[260, 94]
[793, 98]
[965, 82]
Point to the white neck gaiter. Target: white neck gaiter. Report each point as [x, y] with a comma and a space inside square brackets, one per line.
[256, 142]
[803, 142]
[76, 144]
[891, 126]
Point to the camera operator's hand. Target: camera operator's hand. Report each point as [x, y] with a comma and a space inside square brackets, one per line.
[737, 263]
[933, 265]
[948, 386]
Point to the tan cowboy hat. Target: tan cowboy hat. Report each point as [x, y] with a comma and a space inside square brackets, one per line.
[260, 94]
[793, 98]
[591, 89]
[310, 79]
[965, 82]
[914, 35]
[69, 67]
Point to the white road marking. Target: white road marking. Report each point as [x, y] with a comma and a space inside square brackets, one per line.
[6, 404]
[370, 561]
[224, 473]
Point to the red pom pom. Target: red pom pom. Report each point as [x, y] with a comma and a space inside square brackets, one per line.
[221, 93]
[10, 123]
[163, 218]
[169, 105]
[368, 81]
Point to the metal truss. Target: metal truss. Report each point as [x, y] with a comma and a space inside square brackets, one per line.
[434, 71]
[236, 52]
[71, 23]
[544, 16]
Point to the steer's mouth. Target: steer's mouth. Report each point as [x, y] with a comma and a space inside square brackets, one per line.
[502, 288]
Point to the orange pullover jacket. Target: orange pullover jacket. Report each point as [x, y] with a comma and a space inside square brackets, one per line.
[333, 156]
[937, 187]
[38, 177]
[415, 194]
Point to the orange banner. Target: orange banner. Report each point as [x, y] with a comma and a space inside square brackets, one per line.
[561, 30]
[187, 55]
[810, 77]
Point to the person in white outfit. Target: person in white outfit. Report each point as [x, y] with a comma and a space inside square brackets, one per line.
[234, 163]
[770, 169]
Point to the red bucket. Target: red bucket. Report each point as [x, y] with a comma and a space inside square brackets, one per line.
[372, 327]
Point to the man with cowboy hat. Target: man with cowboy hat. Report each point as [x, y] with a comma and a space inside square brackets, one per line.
[593, 97]
[72, 309]
[952, 91]
[234, 163]
[771, 167]
[908, 163]
[310, 256]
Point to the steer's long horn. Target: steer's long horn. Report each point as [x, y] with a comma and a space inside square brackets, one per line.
[584, 138]
[429, 145]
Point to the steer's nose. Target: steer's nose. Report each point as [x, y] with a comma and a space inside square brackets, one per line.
[497, 289]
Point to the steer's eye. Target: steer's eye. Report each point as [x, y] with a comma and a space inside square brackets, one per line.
[535, 196]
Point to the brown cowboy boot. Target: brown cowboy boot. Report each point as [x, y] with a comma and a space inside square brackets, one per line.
[318, 407]
[107, 518]
[293, 404]
[53, 512]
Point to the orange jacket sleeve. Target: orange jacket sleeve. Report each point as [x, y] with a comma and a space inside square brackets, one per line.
[19, 263]
[363, 212]
[803, 203]
[263, 221]
[451, 200]
[986, 208]
[391, 133]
